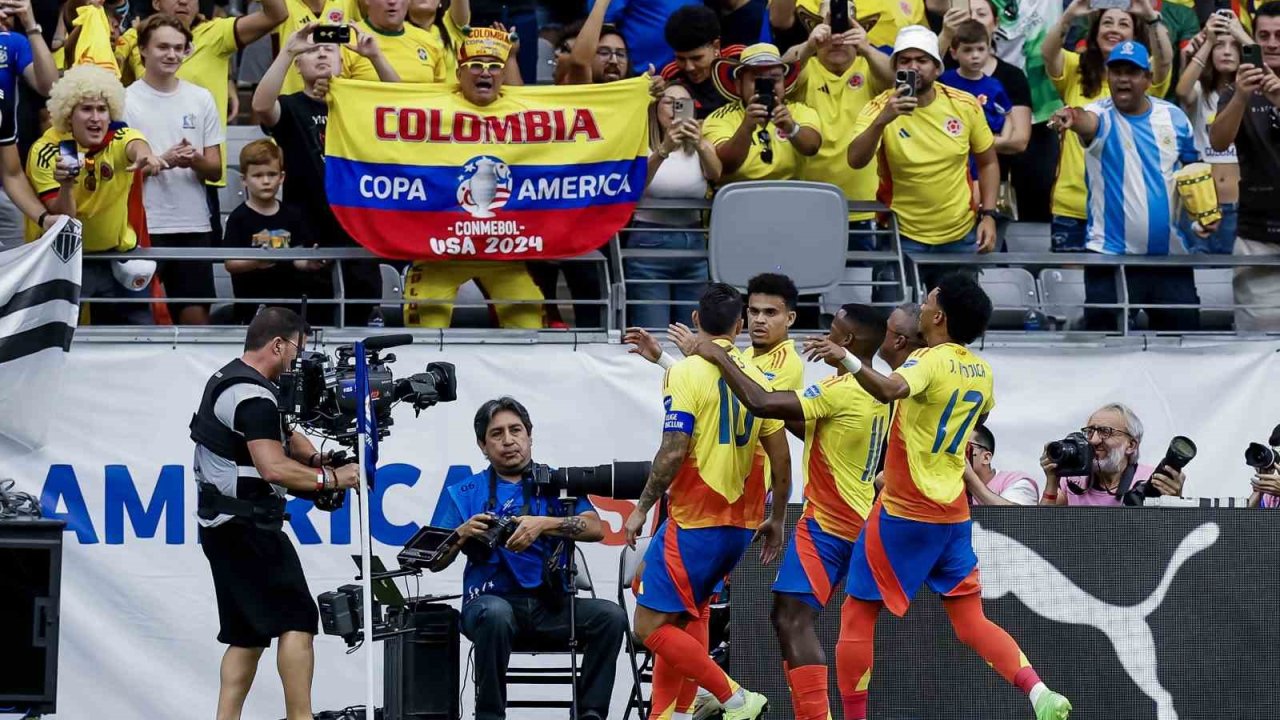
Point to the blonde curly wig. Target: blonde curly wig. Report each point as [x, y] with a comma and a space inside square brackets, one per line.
[81, 83]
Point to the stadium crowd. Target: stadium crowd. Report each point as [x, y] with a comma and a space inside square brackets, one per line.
[961, 117]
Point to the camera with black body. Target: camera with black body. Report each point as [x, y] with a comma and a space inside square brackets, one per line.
[319, 392]
[1073, 455]
[479, 547]
[1181, 451]
[328, 500]
[1264, 457]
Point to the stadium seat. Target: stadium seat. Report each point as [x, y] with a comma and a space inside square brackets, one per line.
[855, 287]
[237, 137]
[1214, 287]
[1027, 237]
[392, 296]
[1013, 293]
[230, 196]
[796, 228]
[1062, 291]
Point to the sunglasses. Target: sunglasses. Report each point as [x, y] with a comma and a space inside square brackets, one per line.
[478, 66]
[766, 147]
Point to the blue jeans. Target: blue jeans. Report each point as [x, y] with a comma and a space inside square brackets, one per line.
[640, 270]
[930, 274]
[1221, 241]
[1066, 234]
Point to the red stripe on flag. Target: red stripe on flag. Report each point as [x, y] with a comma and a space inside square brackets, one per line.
[413, 235]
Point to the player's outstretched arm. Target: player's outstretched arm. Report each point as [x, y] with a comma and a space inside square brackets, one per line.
[671, 454]
[760, 402]
[885, 389]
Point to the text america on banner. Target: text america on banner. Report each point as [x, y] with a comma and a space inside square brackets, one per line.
[416, 172]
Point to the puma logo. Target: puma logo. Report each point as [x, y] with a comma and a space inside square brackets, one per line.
[1055, 597]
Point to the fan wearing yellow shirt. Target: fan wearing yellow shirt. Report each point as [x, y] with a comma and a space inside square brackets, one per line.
[416, 55]
[760, 138]
[303, 13]
[102, 188]
[843, 430]
[1080, 79]
[919, 532]
[923, 141]
[444, 19]
[707, 452]
[841, 74]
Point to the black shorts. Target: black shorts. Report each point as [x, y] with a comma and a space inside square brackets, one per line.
[258, 580]
[185, 279]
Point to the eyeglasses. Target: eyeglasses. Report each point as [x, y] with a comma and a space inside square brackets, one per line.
[1104, 432]
[606, 53]
[981, 447]
[479, 66]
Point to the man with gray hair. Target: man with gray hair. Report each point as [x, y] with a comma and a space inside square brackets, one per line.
[1114, 433]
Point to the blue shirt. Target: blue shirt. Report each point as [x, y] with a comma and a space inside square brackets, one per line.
[15, 57]
[503, 571]
[990, 93]
[643, 24]
[1129, 184]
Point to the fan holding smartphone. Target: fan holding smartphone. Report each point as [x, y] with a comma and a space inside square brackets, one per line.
[761, 135]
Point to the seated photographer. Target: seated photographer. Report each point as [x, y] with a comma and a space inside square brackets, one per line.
[988, 487]
[511, 534]
[1099, 464]
[1265, 460]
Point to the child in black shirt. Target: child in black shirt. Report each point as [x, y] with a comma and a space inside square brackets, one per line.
[262, 222]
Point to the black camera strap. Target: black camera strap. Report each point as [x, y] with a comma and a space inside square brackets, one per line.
[492, 504]
[1126, 479]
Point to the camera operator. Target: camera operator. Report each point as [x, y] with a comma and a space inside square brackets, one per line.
[1114, 435]
[521, 587]
[245, 462]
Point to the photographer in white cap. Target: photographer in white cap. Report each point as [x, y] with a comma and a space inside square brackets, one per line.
[929, 131]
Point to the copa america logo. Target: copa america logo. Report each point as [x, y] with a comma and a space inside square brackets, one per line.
[484, 185]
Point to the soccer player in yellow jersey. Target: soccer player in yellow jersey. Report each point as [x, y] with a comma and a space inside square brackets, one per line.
[843, 429]
[708, 450]
[919, 531]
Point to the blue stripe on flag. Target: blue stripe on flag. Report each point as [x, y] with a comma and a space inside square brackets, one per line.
[384, 186]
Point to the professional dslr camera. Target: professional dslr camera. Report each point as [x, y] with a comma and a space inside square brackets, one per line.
[1264, 457]
[1073, 455]
[1181, 451]
[319, 392]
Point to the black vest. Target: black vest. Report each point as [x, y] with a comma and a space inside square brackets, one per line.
[208, 431]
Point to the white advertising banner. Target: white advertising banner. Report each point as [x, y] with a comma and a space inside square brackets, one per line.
[138, 616]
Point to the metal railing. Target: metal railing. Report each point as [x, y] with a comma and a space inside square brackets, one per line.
[884, 277]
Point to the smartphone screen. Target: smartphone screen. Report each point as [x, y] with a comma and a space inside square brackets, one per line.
[68, 151]
[960, 5]
[332, 34]
[840, 16]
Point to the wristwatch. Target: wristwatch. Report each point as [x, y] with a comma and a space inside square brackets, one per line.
[1155, 20]
[984, 213]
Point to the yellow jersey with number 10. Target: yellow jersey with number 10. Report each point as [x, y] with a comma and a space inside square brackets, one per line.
[716, 485]
[950, 390]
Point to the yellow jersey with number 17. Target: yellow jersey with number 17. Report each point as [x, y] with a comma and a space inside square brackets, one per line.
[844, 429]
[950, 390]
[716, 485]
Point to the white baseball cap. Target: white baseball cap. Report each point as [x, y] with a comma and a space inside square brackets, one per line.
[917, 37]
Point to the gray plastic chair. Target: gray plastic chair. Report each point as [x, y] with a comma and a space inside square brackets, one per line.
[1214, 288]
[855, 287]
[796, 228]
[1062, 291]
[1027, 237]
[1013, 293]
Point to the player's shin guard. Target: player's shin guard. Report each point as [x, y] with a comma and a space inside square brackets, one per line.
[808, 691]
[989, 640]
[855, 653]
[688, 657]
